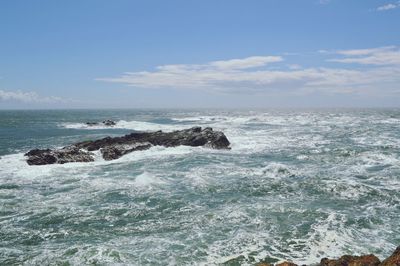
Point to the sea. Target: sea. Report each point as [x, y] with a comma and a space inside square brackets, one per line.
[297, 184]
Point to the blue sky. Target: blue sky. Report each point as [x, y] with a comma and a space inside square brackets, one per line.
[209, 53]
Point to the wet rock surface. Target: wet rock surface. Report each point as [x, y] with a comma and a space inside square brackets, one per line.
[113, 152]
[366, 260]
[114, 148]
[61, 156]
[346, 260]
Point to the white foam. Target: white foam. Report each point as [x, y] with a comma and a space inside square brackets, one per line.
[146, 179]
[276, 170]
[394, 121]
[381, 140]
[105, 254]
[377, 158]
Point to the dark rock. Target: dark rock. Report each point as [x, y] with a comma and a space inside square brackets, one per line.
[347, 260]
[113, 152]
[393, 260]
[61, 156]
[93, 145]
[42, 159]
[188, 137]
[217, 140]
[109, 123]
[36, 152]
[114, 148]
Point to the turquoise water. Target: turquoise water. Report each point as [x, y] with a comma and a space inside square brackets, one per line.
[297, 185]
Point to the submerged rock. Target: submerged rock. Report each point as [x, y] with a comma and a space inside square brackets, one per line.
[264, 264]
[92, 123]
[114, 148]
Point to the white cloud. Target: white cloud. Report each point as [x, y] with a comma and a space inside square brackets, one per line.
[27, 97]
[249, 62]
[207, 75]
[239, 76]
[388, 6]
[366, 51]
[388, 55]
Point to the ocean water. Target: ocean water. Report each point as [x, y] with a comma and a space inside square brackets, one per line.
[297, 185]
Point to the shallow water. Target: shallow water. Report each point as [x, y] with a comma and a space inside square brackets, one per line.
[297, 185]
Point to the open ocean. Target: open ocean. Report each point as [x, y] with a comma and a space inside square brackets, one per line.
[297, 185]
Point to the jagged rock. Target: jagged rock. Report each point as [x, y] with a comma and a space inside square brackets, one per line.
[393, 260]
[113, 148]
[61, 156]
[347, 260]
[113, 152]
[189, 137]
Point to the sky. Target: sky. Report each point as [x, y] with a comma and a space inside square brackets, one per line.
[199, 53]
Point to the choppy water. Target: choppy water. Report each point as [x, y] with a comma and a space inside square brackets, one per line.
[297, 185]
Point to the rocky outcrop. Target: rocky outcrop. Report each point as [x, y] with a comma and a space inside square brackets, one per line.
[114, 148]
[346, 260]
[107, 122]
